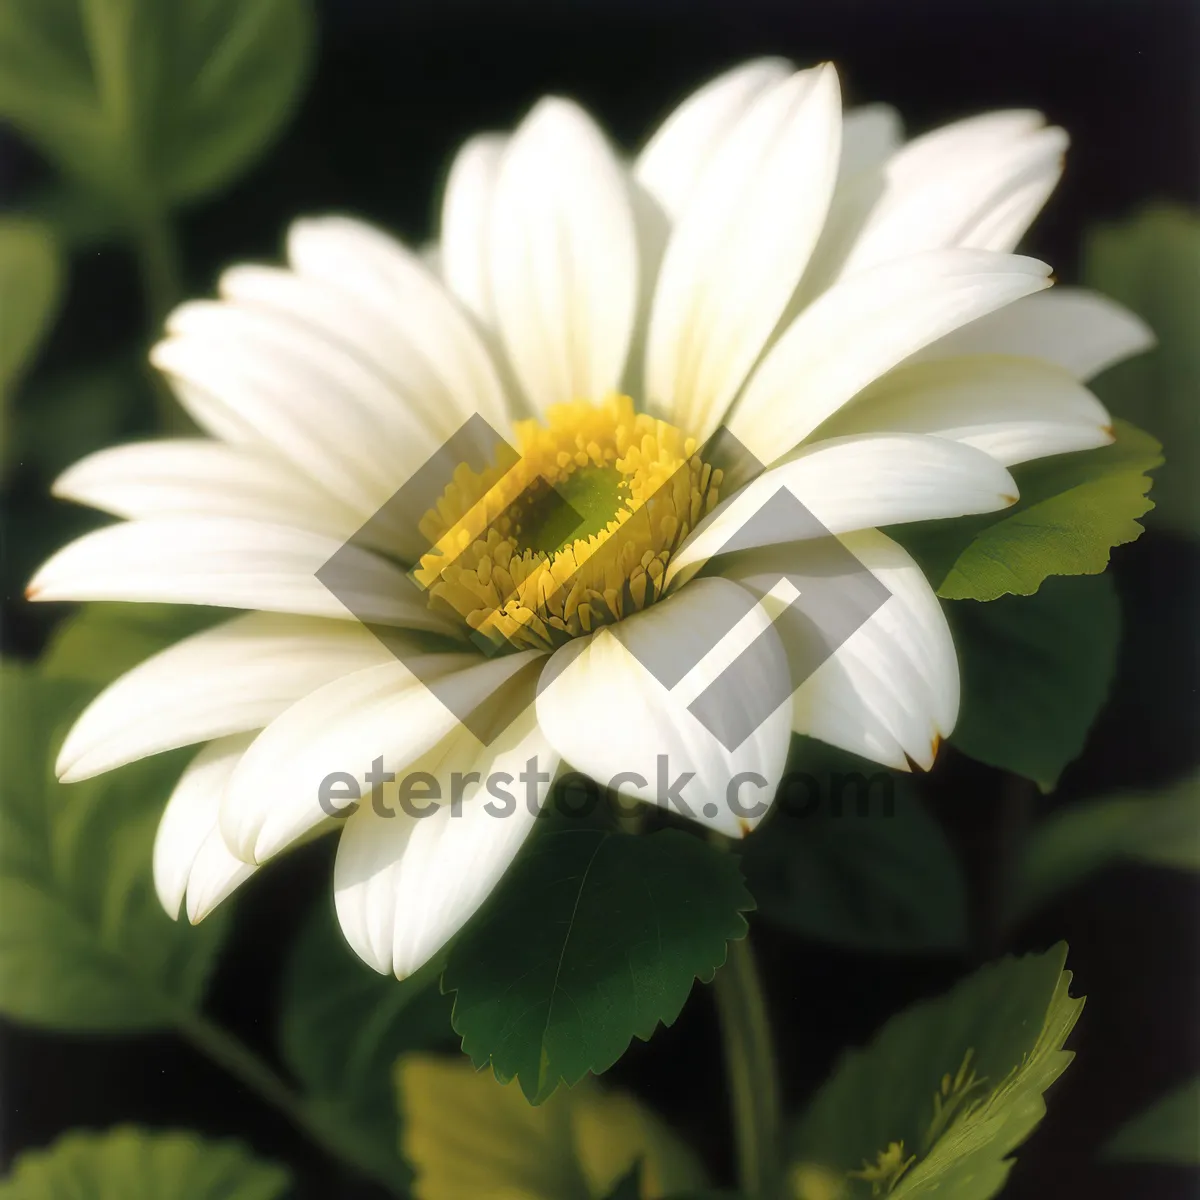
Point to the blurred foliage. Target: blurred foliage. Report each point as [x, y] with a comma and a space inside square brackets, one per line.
[342, 1027]
[467, 1135]
[1152, 264]
[104, 639]
[135, 1164]
[92, 948]
[1035, 672]
[1160, 828]
[30, 286]
[851, 856]
[1167, 1132]
[1073, 509]
[60, 418]
[941, 1097]
[146, 103]
[591, 939]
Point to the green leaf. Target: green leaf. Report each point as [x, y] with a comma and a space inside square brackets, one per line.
[62, 416]
[149, 102]
[1035, 672]
[465, 1134]
[591, 940]
[30, 285]
[1162, 828]
[80, 218]
[84, 944]
[135, 1164]
[343, 1026]
[104, 640]
[851, 856]
[1074, 508]
[1152, 264]
[1167, 1132]
[943, 1095]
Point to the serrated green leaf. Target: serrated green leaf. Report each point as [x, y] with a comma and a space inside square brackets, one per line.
[135, 1164]
[1035, 672]
[1151, 263]
[84, 944]
[104, 640]
[343, 1026]
[591, 940]
[937, 1102]
[148, 102]
[1074, 509]
[465, 1134]
[30, 285]
[1167, 1132]
[1158, 827]
[851, 856]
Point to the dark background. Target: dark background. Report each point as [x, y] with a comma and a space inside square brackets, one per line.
[396, 87]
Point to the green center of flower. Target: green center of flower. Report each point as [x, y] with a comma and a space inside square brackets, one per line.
[578, 534]
[581, 506]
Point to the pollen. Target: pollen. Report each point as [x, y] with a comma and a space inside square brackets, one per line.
[577, 534]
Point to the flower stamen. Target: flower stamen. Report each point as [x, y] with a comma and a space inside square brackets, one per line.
[576, 535]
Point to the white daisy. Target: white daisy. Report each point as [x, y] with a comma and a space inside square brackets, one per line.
[847, 306]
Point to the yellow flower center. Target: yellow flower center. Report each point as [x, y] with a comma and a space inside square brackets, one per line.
[576, 534]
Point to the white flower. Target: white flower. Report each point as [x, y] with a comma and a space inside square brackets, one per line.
[846, 305]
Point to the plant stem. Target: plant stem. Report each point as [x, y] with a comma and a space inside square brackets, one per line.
[243, 1064]
[158, 260]
[750, 1063]
[162, 286]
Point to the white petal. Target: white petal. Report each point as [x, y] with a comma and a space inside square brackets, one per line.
[1004, 225]
[977, 183]
[1083, 332]
[1015, 409]
[870, 135]
[740, 248]
[307, 401]
[419, 373]
[466, 215]
[240, 675]
[667, 171]
[670, 165]
[382, 712]
[197, 477]
[607, 713]
[563, 257]
[851, 483]
[863, 327]
[377, 272]
[940, 148]
[189, 856]
[232, 563]
[893, 683]
[403, 884]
